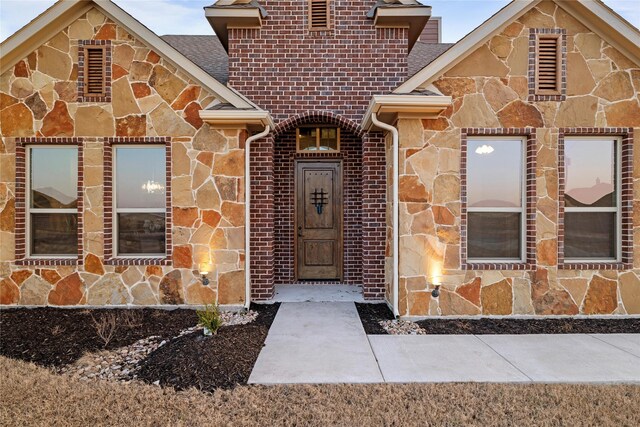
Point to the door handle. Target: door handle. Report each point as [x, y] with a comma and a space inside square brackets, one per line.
[300, 231]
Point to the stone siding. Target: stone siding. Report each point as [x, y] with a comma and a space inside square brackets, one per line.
[151, 101]
[490, 91]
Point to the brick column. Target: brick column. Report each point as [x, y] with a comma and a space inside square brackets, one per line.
[373, 216]
[262, 226]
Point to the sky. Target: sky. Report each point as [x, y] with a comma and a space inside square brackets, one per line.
[459, 17]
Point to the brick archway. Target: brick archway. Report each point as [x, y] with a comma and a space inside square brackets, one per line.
[326, 117]
[272, 174]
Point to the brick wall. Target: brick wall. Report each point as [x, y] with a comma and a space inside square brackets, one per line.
[317, 77]
[284, 171]
[374, 222]
[286, 69]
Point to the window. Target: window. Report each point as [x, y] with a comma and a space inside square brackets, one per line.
[140, 200]
[592, 199]
[318, 139]
[495, 200]
[318, 15]
[52, 201]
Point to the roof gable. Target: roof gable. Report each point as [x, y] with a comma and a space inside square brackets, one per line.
[62, 13]
[603, 21]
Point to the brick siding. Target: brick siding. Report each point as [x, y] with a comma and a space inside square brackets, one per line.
[284, 178]
[287, 69]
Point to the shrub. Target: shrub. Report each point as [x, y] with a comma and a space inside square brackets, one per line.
[210, 318]
[105, 326]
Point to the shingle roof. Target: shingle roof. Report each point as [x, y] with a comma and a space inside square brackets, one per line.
[423, 54]
[204, 51]
[207, 53]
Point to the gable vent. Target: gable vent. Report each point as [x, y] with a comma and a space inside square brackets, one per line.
[548, 65]
[95, 71]
[318, 14]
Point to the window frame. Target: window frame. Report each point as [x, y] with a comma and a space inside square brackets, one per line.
[618, 209]
[29, 210]
[22, 257]
[523, 202]
[115, 210]
[317, 150]
[110, 257]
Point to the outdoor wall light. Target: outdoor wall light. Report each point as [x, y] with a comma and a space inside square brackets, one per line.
[435, 281]
[204, 269]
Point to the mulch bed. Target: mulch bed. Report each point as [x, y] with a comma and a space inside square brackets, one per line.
[371, 314]
[530, 326]
[57, 337]
[208, 363]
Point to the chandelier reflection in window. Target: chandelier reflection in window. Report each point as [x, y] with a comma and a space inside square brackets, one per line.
[153, 187]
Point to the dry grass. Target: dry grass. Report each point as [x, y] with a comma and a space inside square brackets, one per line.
[30, 395]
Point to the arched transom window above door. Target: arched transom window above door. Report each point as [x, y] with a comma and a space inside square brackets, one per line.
[318, 138]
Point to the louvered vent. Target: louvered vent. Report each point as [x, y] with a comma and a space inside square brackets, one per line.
[547, 76]
[319, 14]
[94, 72]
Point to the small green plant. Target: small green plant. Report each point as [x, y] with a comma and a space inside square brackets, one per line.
[210, 319]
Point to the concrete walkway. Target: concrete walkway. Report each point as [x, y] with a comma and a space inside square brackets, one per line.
[316, 342]
[324, 342]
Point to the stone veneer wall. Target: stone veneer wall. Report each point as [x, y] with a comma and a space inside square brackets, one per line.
[490, 91]
[150, 98]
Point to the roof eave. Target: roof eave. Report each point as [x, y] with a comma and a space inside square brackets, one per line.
[237, 119]
[607, 24]
[468, 44]
[222, 19]
[610, 26]
[44, 26]
[62, 13]
[412, 17]
[390, 108]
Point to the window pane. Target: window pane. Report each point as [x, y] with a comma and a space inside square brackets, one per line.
[590, 173]
[494, 235]
[140, 177]
[54, 177]
[307, 139]
[141, 233]
[328, 138]
[54, 234]
[494, 173]
[590, 235]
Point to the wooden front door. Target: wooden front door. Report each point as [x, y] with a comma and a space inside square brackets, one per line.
[318, 220]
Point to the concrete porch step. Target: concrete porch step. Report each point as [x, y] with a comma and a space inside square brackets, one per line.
[317, 293]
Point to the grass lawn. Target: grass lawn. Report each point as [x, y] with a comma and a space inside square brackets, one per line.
[31, 395]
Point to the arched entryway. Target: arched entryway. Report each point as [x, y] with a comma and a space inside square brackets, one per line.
[356, 171]
[344, 211]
